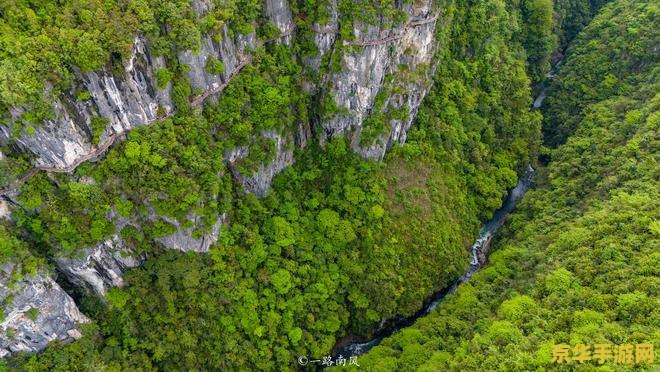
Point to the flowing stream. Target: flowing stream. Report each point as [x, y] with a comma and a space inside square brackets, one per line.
[479, 252]
[538, 102]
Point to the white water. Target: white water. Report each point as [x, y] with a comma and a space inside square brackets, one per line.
[478, 251]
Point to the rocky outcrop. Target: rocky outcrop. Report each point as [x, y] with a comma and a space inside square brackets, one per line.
[381, 52]
[231, 52]
[5, 212]
[125, 101]
[100, 268]
[185, 239]
[279, 13]
[259, 181]
[36, 311]
[325, 36]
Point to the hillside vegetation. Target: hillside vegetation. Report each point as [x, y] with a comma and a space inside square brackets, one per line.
[578, 262]
[338, 244]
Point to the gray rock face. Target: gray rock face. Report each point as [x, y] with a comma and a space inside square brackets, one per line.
[229, 51]
[259, 182]
[100, 268]
[5, 212]
[132, 99]
[381, 53]
[38, 312]
[279, 13]
[325, 36]
[58, 142]
[201, 6]
[126, 101]
[184, 240]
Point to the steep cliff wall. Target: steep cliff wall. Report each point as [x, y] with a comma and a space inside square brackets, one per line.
[403, 51]
[259, 181]
[36, 311]
[278, 12]
[100, 268]
[124, 101]
[133, 98]
[383, 70]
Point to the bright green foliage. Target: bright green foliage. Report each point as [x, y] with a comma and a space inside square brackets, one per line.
[578, 261]
[42, 40]
[477, 113]
[86, 33]
[32, 313]
[15, 250]
[302, 263]
[539, 39]
[591, 74]
[75, 216]
[214, 66]
[45, 43]
[97, 126]
[339, 244]
[163, 76]
[265, 97]
[12, 165]
[545, 28]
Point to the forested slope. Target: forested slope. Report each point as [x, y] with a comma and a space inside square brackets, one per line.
[578, 262]
[337, 246]
[342, 242]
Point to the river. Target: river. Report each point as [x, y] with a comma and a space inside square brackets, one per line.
[479, 252]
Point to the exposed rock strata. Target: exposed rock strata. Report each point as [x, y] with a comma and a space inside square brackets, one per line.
[36, 311]
[381, 52]
[100, 268]
[184, 239]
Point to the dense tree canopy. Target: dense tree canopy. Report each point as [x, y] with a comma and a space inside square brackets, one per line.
[340, 244]
[602, 63]
[578, 261]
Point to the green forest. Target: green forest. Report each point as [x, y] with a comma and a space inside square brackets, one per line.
[340, 243]
[578, 261]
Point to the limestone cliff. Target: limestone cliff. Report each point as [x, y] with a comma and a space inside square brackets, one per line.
[383, 70]
[132, 98]
[101, 267]
[185, 240]
[125, 101]
[36, 311]
[404, 51]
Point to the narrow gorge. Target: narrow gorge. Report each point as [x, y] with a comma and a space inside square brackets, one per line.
[235, 184]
